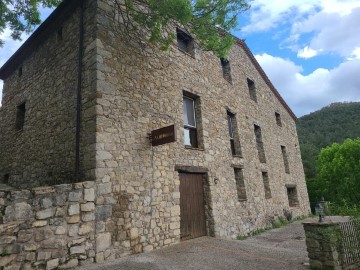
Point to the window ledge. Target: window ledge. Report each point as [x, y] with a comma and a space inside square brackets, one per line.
[187, 53]
[237, 156]
[193, 148]
[242, 200]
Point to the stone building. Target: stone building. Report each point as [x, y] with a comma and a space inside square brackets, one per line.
[79, 102]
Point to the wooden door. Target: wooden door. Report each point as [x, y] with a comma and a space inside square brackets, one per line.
[192, 212]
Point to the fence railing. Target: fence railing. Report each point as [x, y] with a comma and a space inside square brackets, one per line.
[350, 243]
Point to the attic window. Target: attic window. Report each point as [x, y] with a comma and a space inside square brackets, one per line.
[278, 119]
[226, 69]
[252, 90]
[20, 71]
[185, 42]
[59, 34]
[20, 116]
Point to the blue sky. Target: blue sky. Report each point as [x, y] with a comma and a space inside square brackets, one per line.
[310, 49]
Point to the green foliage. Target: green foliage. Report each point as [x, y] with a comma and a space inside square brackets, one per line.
[332, 124]
[345, 210]
[209, 21]
[338, 177]
[21, 16]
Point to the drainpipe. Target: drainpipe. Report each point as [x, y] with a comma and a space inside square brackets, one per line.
[78, 105]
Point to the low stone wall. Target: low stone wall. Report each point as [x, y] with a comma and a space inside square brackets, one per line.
[64, 226]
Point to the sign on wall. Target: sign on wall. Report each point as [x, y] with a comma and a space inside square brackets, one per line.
[163, 135]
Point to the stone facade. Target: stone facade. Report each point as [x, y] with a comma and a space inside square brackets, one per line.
[128, 91]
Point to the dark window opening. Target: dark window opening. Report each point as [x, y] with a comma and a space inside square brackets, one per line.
[20, 71]
[252, 90]
[265, 177]
[190, 127]
[285, 158]
[240, 184]
[20, 116]
[185, 42]
[225, 64]
[5, 179]
[259, 144]
[292, 196]
[233, 135]
[59, 34]
[278, 119]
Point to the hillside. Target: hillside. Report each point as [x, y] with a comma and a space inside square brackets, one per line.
[333, 123]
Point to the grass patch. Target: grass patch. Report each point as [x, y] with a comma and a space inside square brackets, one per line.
[280, 222]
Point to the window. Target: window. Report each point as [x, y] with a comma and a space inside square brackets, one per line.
[185, 42]
[240, 185]
[20, 71]
[189, 116]
[225, 64]
[252, 90]
[292, 195]
[278, 119]
[20, 116]
[233, 135]
[259, 144]
[285, 158]
[265, 177]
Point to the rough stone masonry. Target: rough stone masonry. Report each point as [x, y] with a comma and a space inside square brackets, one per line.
[127, 198]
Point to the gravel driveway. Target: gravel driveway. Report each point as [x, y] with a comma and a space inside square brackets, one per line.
[277, 249]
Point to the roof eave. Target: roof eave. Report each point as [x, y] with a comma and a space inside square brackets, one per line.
[40, 35]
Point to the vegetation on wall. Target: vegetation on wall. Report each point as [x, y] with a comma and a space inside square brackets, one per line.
[210, 21]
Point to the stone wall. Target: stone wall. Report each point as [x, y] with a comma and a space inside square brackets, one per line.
[128, 91]
[43, 150]
[142, 90]
[66, 225]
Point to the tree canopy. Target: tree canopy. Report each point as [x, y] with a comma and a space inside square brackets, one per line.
[210, 21]
[338, 178]
[21, 16]
[331, 124]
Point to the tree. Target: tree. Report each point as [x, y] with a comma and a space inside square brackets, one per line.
[21, 16]
[338, 177]
[208, 20]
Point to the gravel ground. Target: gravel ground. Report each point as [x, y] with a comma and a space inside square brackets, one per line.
[276, 249]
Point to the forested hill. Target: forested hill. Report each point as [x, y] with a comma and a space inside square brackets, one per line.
[319, 129]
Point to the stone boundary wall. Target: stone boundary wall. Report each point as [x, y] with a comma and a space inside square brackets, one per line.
[327, 244]
[66, 225]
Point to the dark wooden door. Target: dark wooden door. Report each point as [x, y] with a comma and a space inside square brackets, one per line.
[192, 212]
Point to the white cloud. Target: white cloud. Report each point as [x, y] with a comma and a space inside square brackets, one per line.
[327, 25]
[331, 32]
[355, 54]
[307, 93]
[307, 53]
